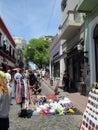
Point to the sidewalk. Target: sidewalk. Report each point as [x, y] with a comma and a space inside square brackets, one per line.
[78, 100]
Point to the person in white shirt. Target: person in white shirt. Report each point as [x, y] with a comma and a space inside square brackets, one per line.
[8, 76]
[43, 73]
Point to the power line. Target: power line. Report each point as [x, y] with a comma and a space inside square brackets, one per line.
[51, 15]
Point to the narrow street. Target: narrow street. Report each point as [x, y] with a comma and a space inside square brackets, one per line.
[43, 122]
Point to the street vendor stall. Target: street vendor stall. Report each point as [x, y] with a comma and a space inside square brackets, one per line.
[50, 105]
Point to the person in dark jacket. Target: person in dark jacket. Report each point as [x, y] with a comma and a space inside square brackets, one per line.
[66, 81]
[31, 81]
[32, 78]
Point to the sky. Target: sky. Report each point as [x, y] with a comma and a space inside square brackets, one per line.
[31, 18]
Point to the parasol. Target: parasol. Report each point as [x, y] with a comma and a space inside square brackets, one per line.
[16, 69]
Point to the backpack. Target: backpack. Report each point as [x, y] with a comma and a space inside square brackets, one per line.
[25, 113]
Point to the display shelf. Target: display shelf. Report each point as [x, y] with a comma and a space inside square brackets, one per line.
[90, 115]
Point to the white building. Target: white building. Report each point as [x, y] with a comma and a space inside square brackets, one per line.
[20, 42]
[20, 46]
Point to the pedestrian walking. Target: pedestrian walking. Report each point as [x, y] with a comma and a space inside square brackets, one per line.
[5, 100]
[66, 79]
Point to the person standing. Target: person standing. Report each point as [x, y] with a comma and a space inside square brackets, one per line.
[5, 100]
[8, 76]
[26, 91]
[20, 89]
[31, 81]
[66, 81]
[32, 78]
[43, 73]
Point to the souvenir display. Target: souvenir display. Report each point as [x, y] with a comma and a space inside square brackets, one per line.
[50, 104]
[90, 116]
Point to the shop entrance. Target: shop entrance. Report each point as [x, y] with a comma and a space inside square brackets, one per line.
[96, 50]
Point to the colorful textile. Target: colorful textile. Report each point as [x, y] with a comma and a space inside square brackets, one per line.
[50, 96]
[18, 92]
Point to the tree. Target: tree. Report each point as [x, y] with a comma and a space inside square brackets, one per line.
[37, 51]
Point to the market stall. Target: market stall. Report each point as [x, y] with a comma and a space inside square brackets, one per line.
[90, 116]
[49, 105]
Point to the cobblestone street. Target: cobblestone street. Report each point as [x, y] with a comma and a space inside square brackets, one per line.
[43, 122]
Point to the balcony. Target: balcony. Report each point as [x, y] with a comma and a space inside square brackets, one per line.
[87, 5]
[4, 55]
[71, 25]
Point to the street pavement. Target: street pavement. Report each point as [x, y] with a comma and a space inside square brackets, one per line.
[44, 122]
[80, 101]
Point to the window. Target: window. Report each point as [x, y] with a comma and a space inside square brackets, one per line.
[63, 4]
[0, 40]
[57, 69]
[10, 50]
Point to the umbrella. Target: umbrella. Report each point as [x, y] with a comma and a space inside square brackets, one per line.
[16, 69]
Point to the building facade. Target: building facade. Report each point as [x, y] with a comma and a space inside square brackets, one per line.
[78, 39]
[7, 48]
[72, 31]
[56, 59]
[91, 37]
[20, 46]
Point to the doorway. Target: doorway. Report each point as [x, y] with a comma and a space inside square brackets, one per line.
[96, 50]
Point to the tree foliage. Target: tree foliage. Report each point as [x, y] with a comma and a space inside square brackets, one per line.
[37, 51]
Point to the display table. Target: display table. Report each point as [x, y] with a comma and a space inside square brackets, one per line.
[50, 104]
[90, 116]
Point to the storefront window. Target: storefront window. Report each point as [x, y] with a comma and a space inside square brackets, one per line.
[74, 66]
[57, 69]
